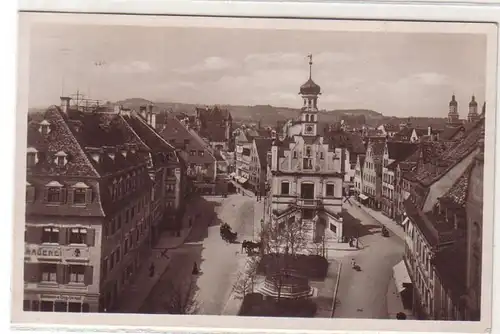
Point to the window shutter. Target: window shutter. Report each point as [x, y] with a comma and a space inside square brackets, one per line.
[89, 272]
[63, 236]
[46, 194]
[62, 195]
[31, 272]
[60, 273]
[34, 234]
[90, 237]
[71, 196]
[88, 196]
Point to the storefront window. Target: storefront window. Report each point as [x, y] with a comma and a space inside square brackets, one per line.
[61, 307]
[26, 305]
[47, 306]
[75, 307]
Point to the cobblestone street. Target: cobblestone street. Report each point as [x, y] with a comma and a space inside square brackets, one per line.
[363, 294]
[217, 260]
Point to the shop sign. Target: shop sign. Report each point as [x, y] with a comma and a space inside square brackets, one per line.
[63, 298]
[42, 251]
[76, 252]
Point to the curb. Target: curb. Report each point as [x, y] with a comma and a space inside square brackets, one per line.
[334, 303]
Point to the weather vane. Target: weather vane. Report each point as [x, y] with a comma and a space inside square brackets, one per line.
[310, 56]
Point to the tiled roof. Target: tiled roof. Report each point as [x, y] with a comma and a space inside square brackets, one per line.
[404, 133]
[181, 138]
[435, 230]
[451, 265]
[378, 148]
[434, 168]
[60, 138]
[457, 194]
[350, 141]
[152, 139]
[399, 151]
[263, 146]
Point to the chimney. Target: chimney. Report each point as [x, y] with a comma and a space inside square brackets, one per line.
[153, 121]
[95, 156]
[142, 111]
[65, 104]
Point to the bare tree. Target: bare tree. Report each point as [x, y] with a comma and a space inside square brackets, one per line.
[282, 241]
[180, 298]
[246, 278]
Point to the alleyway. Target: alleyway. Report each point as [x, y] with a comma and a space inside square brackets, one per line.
[363, 294]
[217, 260]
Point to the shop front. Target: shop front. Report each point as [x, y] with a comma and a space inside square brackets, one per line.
[40, 302]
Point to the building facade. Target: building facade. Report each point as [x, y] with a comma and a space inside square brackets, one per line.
[201, 164]
[258, 165]
[372, 174]
[87, 210]
[215, 125]
[307, 181]
[358, 175]
[438, 227]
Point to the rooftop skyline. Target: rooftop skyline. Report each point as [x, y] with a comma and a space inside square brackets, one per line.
[397, 74]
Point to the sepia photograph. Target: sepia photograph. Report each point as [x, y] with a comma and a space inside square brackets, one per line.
[254, 168]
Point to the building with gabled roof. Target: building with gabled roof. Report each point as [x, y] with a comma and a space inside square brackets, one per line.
[87, 198]
[372, 174]
[215, 125]
[439, 224]
[258, 165]
[358, 175]
[394, 153]
[201, 163]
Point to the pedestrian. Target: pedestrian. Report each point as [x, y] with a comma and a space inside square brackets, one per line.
[195, 269]
[353, 263]
[152, 269]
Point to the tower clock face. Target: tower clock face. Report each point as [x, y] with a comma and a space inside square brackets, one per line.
[309, 129]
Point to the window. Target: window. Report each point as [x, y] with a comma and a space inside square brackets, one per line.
[295, 154]
[80, 196]
[308, 151]
[170, 172]
[307, 163]
[75, 307]
[285, 188]
[76, 274]
[201, 153]
[78, 236]
[46, 306]
[321, 155]
[54, 195]
[192, 153]
[49, 272]
[330, 190]
[31, 159]
[118, 254]
[50, 235]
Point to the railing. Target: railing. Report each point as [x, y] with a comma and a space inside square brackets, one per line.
[306, 202]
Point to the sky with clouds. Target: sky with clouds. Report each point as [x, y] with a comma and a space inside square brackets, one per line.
[397, 74]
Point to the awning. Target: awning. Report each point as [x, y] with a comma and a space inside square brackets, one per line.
[242, 180]
[401, 276]
[363, 197]
[232, 174]
[405, 221]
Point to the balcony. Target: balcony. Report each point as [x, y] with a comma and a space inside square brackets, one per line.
[308, 203]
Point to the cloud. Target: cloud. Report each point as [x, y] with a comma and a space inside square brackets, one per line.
[431, 78]
[135, 66]
[208, 64]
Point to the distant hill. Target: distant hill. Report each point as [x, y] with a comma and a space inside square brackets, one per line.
[267, 114]
[270, 115]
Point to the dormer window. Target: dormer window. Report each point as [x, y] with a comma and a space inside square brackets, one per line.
[31, 157]
[44, 127]
[54, 192]
[61, 159]
[81, 193]
[201, 153]
[30, 192]
[295, 154]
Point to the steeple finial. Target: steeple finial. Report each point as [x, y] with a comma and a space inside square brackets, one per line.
[310, 56]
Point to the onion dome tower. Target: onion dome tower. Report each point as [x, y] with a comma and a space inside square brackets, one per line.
[453, 116]
[309, 113]
[473, 115]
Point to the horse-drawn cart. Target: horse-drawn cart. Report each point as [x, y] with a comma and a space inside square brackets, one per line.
[226, 234]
